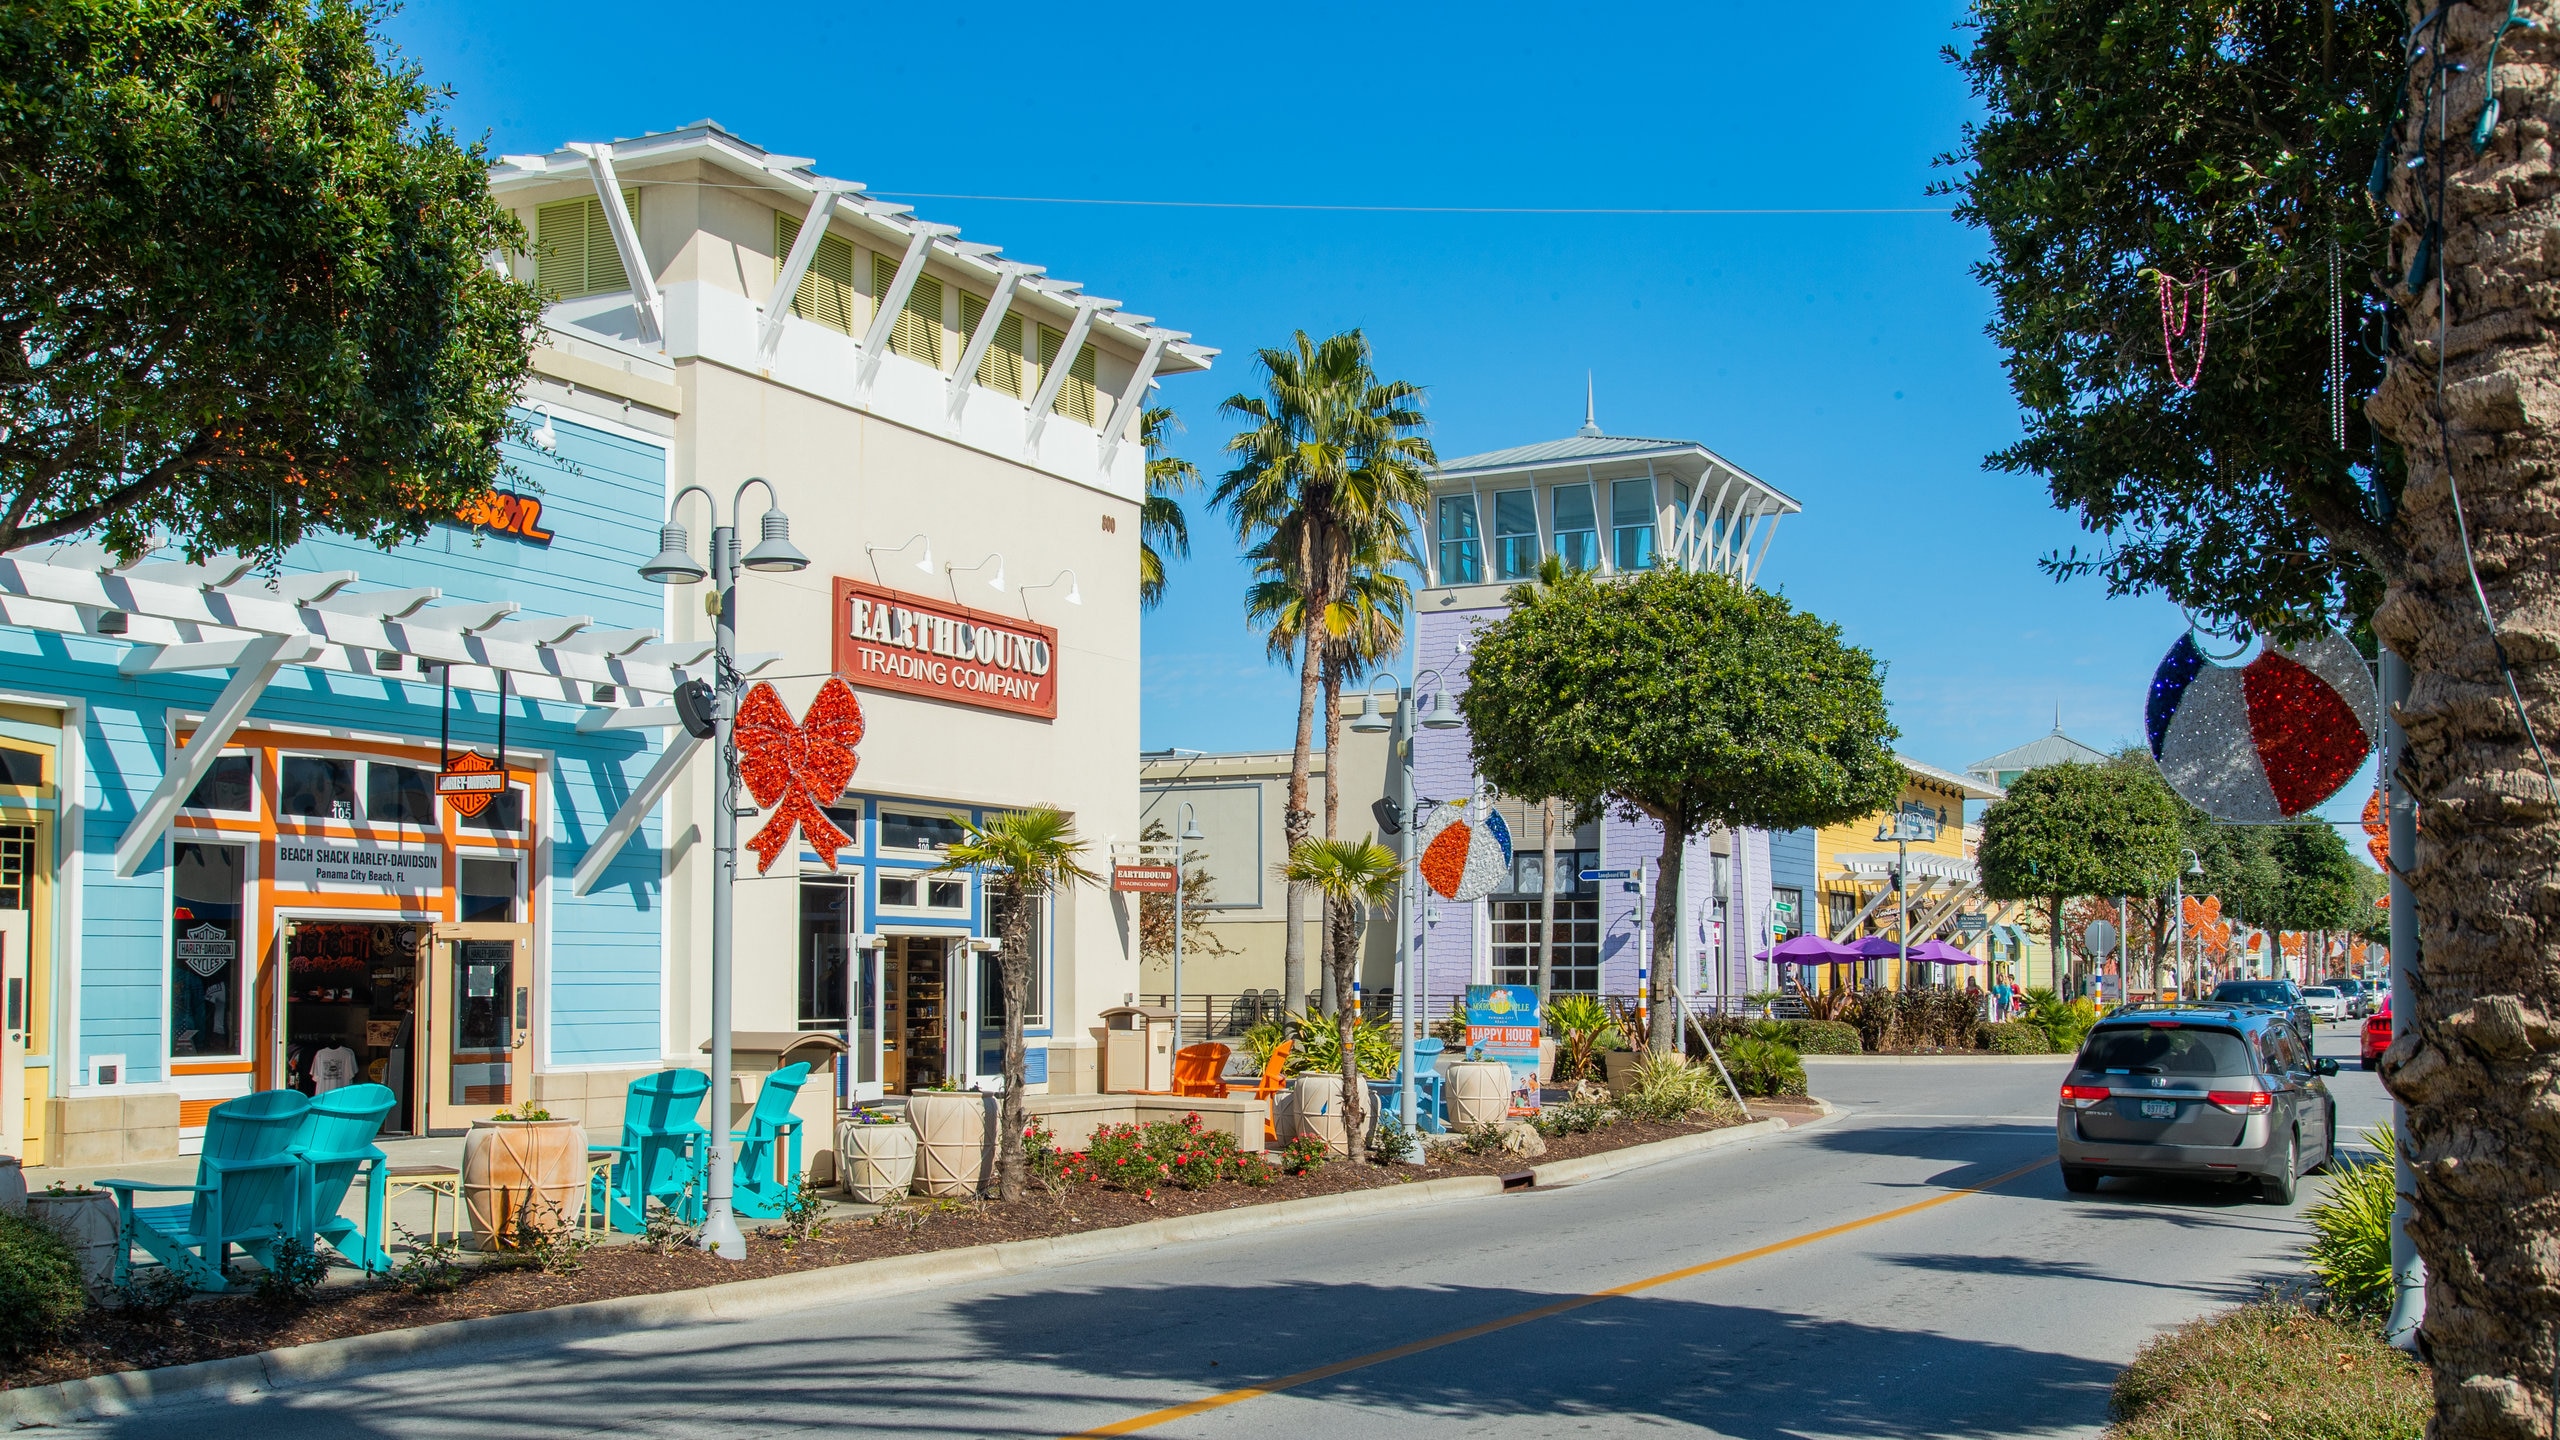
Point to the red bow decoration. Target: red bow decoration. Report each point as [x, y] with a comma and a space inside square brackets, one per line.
[793, 767]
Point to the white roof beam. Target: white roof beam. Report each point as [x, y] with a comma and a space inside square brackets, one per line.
[1766, 540]
[1054, 374]
[635, 717]
[875, 341]
[467, 617]
[605, 642]
[795, 266]
[626, 821]
[379, 604]
[1132, 397]
[626, 242]
[259, 663]
[1010, 277]
[176, 659]
[545, 630]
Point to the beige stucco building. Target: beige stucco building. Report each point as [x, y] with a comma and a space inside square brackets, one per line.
[955, 438]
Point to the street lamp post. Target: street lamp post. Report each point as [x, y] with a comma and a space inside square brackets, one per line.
[1187, 829]
[710, 712]
[1370, 722]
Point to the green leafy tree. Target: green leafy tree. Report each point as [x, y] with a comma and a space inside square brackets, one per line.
[2316, 879]
[1331, 459]
[1350, 878]
[2071, 830]
[245, 287]
[1163, 529]
[1686, 698]
[1023, 855]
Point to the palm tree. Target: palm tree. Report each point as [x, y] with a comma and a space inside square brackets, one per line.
[1023, 855]
[1331, 454]
[1351, 877]
[1370, 611]
[1162, 528]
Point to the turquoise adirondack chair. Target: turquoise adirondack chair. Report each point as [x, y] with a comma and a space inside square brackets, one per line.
[662, 1152]
[336, 1145]
[249, 1192]
[754, 1188]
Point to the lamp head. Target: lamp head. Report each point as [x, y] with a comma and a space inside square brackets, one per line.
[544, 438]
[674, 564]
[775, 554]
[1369, 721]
[1435, 714]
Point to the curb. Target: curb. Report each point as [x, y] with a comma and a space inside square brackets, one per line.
[1959, 1058]
[239, 1377]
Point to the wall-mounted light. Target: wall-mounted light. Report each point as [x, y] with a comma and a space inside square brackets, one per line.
[924, 564]
[543, 437]
[994, 557]
[114, 622]
[1075, 590]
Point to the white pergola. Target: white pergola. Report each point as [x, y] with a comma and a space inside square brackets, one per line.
[215, 616]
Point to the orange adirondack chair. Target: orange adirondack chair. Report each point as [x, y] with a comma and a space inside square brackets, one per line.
[1274, 1080]
[1197, 1068]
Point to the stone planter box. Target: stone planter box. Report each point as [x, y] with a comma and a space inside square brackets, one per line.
[878, 1161]
[955, 1141]
[1315, 1108]
[86, 1219]
[520, 1174]
[1618, 1068]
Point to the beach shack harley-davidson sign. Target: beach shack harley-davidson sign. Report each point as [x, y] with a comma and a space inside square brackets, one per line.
[886, 640]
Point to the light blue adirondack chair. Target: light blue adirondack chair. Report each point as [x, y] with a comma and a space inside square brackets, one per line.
[755, 1190]
[336, 1145]
[249, 1192]
[662, 1151]
[1430, 1106]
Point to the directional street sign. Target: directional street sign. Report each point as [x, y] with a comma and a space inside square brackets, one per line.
[1783, 907]
[1608, 874]
[1973, 922]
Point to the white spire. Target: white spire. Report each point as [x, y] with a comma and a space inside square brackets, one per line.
[1590, 412]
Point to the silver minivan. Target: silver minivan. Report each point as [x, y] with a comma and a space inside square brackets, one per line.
[2206, 1091]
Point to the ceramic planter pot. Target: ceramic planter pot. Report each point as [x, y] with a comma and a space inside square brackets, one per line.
[87, 1220]
[879, 1161]
[13, 1186]
[1315, 1108]
[1479, 1094]
[520, 1174]
[955, 1141]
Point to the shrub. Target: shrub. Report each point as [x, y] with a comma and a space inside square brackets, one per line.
[1261, 1038]
[2065, 1023]
[1575, 1117]
[2350, 1246]
[1390, 1143]
[1873, 1014]
[2012, 1037]
[293, 1274]
[1303, 1155]
[1764, 1067]
[40, 1290]
[1582, 1031]
[2271, 1369]
[1673, 1087]
[1182, 1153]
[1482, 1140]
[1319, 1047]
[1819, 1037]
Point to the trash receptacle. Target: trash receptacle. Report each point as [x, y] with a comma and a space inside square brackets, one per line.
[1137, 1049]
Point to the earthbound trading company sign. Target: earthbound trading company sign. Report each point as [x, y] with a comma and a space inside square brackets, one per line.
[886, 640]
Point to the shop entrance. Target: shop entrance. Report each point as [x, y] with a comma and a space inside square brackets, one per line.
[479, 1018]
[350, 1000]
[924, 1008]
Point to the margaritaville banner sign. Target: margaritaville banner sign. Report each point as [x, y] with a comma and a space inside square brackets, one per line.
[915, 645]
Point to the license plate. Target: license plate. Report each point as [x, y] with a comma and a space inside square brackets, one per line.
[2159, 1109]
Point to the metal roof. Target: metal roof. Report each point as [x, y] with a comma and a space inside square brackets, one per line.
[2054, 749]
[1971, 787]
[1578, 447]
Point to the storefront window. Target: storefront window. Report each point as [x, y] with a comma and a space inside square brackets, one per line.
[898, 891]
[1577, 947]
[504, 815]
[826, 950]
[398, 795]
[17, 865]
[991, 972]
[316, 787]
[207, 886]
[919, 832]
[1515, 534]
[226, 787]
[23, 769]
[946, 894]
[1577, 528]
[1790, 919]
[488, 890]
[848, 818]
[1631, 524]
[1460, 561]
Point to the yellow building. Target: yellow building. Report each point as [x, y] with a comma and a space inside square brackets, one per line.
[1856, 895]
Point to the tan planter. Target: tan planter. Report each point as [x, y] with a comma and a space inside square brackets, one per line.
[1479, 1094]
[86, 1219]
[13, 1186]
[879, 1161]
[1315, 1108]
[1618, 1067]
[523, 1173]
[955, 1141]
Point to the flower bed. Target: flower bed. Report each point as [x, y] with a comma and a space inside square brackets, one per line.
[1072, 1198]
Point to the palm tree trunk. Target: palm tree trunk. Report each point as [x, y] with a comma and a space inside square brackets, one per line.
[1332, 749]
[1016, 968]
[1547, 904]
[1295, 821]
[1665, 1024]
[1342, 946]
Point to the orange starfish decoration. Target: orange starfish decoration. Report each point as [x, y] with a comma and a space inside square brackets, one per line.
[794, 767]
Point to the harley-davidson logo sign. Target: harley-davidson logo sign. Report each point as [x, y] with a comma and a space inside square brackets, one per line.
[886, 640]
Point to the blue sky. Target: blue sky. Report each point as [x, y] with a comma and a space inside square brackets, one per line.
[1840, 357]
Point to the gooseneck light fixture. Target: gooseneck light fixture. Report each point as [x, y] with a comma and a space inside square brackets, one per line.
[674, 565]
[924, 564]
[994, 557]
[1075, 589]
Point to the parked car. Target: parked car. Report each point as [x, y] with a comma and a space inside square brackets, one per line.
[2325, 1002]
[2210, 1091]
[2377, 1033]
[2360, 996]
[2281, 995]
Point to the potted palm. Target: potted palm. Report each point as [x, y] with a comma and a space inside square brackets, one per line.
[1021, 855]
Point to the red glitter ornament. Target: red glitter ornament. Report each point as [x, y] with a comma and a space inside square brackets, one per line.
[2307, 736]
[2378, 835]
[792, 768]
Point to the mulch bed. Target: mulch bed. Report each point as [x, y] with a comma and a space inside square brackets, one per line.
[214, 1327]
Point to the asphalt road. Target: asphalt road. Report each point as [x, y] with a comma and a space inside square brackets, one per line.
[1841, 1281]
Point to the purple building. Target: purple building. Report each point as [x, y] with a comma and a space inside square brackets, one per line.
[1616, 505]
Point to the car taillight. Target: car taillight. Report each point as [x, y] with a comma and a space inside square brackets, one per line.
[2083, 1096]
[2240, 1102]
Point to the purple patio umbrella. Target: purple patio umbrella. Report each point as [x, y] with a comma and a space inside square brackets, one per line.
[1884, 947]
[1808, 950]
[1939, 952]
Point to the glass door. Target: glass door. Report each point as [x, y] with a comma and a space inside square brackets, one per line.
[479, 1014]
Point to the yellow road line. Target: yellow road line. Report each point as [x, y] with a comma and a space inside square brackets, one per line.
[1154, 1418]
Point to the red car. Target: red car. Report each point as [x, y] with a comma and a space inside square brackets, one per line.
[2377, 1032]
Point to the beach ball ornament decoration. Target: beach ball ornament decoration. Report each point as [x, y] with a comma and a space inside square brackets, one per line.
[2268, 740]
[1467, 859]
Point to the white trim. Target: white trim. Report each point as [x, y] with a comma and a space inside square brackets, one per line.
[974, 352]
[1053, 375]
[887, 306]
[795, 267]
[645, 299]
[617, 428]
[185, 768]
[1118, 425]
[626, 821]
